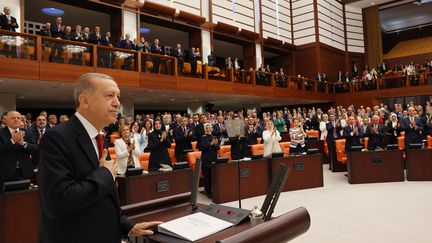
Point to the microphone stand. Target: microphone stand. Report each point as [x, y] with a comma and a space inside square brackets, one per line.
[238, 184]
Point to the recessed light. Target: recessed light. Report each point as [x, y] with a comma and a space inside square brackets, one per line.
[372, 3]
[21, 97]
[53, 11]
[172, 99]
[144, 30]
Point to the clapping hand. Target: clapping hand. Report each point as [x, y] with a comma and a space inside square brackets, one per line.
[18, 137]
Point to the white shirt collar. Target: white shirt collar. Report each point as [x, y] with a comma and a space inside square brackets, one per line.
[12, 130]
[91, 130]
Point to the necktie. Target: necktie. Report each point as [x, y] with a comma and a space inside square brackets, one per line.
[352, 128]
[41, 132]
[100, 144]
[334, 130]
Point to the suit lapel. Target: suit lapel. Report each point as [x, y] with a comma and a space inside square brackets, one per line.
[85, 141]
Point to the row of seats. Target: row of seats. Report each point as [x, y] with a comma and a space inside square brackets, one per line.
[342, 157]
[224, 151]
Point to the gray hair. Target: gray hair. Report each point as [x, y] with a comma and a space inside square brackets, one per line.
[85, 84]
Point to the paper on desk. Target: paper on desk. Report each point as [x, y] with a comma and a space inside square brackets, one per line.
[193, 227]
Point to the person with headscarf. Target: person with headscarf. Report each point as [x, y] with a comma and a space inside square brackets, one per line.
[158, 144]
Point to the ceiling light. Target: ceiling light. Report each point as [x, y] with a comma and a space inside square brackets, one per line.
[144, 30]
[53, 11]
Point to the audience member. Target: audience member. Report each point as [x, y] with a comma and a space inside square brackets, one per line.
[209, 150]
[271, 138]
[126, 150]
[16, 149]
[158, 144]
[8, 22]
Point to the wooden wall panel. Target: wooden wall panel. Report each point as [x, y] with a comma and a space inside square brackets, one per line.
[123, 78]
[332, 60]
[62, 72]
[23, 69]
[366, 97]
[358, 58]
[249, 60]
[306, 60]
[155, 81]
[420, 59]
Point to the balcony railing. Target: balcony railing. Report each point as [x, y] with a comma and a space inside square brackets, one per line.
[46, 49]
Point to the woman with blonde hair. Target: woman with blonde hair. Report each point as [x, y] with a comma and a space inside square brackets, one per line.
[323, 127]
[126, 150]
[271, 138]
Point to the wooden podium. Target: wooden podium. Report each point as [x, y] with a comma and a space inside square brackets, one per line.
[375, 166]
[19, 216]
[306, 171]
[146, 187]
[419, 164]
[254, 180]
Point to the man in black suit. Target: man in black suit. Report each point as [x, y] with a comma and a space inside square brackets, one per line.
[57, 29]
[78, 195]
[46, 31]
[179, 54]
[413, 127]
[333, 133]
[376, 134]
[106, 39]
[183, 139]
[96, 36]
[37, 131]
[156, 49]
[16, 148]
[352, 133]
[7, 22]
[219, 129]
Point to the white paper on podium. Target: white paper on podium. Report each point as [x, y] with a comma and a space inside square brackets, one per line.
[193, 227]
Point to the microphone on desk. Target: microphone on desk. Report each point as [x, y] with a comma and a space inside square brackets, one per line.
[195, 184]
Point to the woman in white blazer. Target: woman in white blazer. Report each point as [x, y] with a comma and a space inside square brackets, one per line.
[323, 127]
[271, 138]
[127, 151]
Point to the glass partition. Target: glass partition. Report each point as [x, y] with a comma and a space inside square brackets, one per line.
[263, 78]
[281, 80]
[162, 64]
[115, 58]
[67, 52]
[16, 45]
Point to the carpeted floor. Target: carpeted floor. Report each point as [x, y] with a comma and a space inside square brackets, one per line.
[398, 212]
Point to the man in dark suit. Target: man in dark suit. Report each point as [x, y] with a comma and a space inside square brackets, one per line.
[78, 195]
[96, 36]
[426, 123]
[413, 127]
[7, 22]
[156, 49]
[16, 148]
[57, 29]
[376, 134]
[252, 131]
[37, 131]
[352, 133]
[333, 133]
[179, 54]
[46, 31]
[106, 39]
[219, 129]
[183, 139]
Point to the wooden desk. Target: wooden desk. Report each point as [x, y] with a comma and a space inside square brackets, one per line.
[254, 180]
[319, 144]
[154, 185]
[419, 164]
[19, 216]
[306, 171]
[375, 166]
[280, 229]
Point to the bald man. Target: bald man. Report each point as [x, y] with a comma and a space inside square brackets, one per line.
[376, 133]
[413, 127]
[16, 148]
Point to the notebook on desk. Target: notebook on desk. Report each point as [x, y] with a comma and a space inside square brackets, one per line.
[194, 226]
